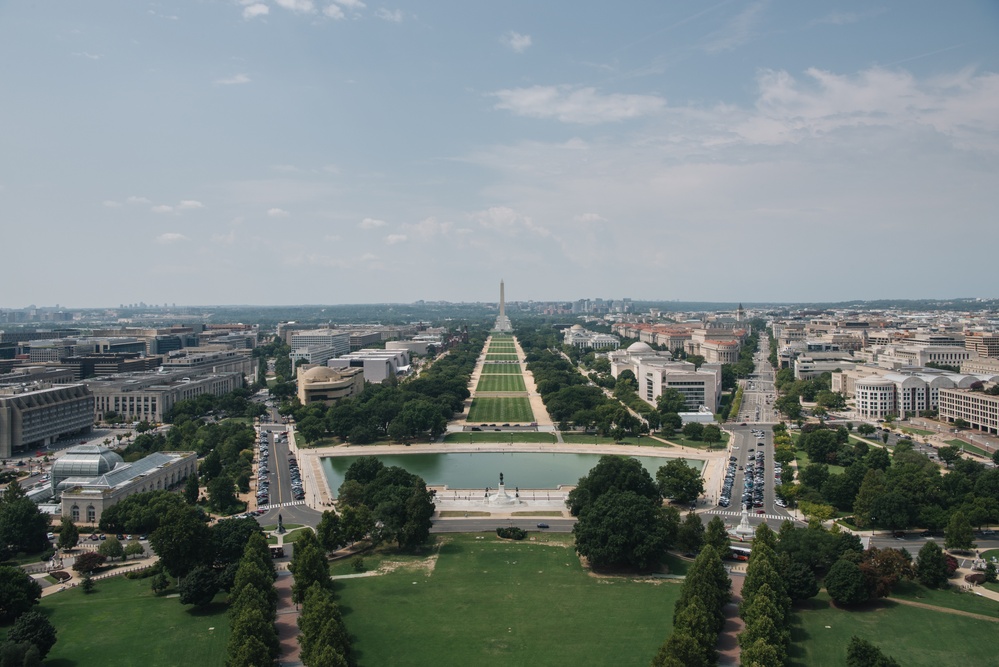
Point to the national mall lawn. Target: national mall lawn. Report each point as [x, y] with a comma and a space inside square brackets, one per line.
[123, 624]
[498, 602]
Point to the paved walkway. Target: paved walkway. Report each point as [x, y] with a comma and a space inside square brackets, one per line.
[728, 641]
[945, 610]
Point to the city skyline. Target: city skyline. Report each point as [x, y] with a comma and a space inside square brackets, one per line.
[301, 151]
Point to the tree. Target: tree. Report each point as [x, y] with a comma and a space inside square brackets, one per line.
[88, 562]
[612, 473]
[330, 532]
[680, 650]
[309, 565]
[322, 627]
[69, 534]
[712, 433]
[160, 583]
[222, 494]
[690, 536]
[182, 541]
[671, 401]
[708, 581]
[357, 522]
[199, 586]
[845, 583]
[865, 429]
[799, 581]
[34, 628]
[949, 453]
[87, 584]
[23, 528]
[693, 430]
[19, 654]
[111, 548]
[990, 573]
[18, 593]
[679, 482]
[862, 653]
[250, 653]
[760, 654]
[959, 535]
[931, 566]
[716, 536]
[191, 489]
[693, 620]
[623, 529]
[211, 465]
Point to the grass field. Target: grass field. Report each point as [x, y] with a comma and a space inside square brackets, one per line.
[952, 598]
[968, 448]
[123, 623]
[580, 439]
[498, 436]
[914, 637]
[501, 369]
[501, 357]
[915, 431]
[501, 383]
[681, 439]
[501, 409]
[492, 602]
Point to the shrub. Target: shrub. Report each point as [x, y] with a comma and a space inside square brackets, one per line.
[511, 533]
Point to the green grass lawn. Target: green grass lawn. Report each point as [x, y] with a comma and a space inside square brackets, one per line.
[123, 623]
[968, 448]
[501, 383]
[951, 598]
[492, 602]
[501, 357]
[915, 431]
[914, 637]
[500, 410]
[681, 439]
[501, 369]
[498, 436]
[583, 439]
[802, 457]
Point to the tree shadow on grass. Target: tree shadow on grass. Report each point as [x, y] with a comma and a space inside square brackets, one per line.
[61, 662]
[212, 609]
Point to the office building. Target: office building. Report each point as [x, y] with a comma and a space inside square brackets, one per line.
[322, 384]
[378, 365]
[35, 416]
[149, 396]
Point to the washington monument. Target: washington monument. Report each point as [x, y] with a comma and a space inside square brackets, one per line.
[502, 321]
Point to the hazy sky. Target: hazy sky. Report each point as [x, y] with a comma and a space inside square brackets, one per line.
[318, 151]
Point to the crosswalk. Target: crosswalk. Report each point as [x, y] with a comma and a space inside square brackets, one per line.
[277, 505]
[775, 517]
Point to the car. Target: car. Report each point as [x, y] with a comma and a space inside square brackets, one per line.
[761, 511]
[743, 424]
[51, 536]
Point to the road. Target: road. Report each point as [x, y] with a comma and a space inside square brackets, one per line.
[485, 524]
[758, 391]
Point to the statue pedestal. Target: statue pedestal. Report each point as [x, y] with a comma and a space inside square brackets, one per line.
[744, 530]
[502, 498]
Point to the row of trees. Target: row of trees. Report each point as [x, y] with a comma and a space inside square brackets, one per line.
[324, 639]
[896, 490]
[765, 606]
[417, 408]
[31, 636]
[253, 638]
[699, 615]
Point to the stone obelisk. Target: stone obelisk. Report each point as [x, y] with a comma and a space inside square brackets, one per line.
[502, 301]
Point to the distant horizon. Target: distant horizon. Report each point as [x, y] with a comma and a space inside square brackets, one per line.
[733, 303]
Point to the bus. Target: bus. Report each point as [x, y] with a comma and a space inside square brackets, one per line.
[739, 553]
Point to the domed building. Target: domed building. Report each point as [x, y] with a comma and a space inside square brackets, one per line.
[579, 337]
[87, 479]
[328, 385]
[84, 461]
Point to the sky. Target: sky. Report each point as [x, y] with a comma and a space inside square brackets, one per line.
[206, 152]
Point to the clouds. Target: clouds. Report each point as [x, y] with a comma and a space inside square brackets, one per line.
[516, 42]
[570, 104]
[255, 10]
[297, 6]
[371, 223]
[390, 15]
[278, 213]
[236, 80]
[171, 238]
[189, 204]
[394, 239]
[162, 208]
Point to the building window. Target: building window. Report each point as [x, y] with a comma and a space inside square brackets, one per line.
[91, 514]
[74, 513]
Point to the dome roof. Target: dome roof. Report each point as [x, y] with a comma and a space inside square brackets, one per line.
[576, 327]
[639, 347]
[85, 461]
[320, 374]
